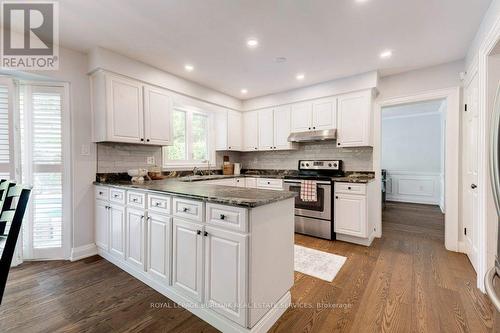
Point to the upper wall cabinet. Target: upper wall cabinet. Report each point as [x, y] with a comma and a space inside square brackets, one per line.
[355, 119]
[126, 110]
[228, 127]
[320, 114]
[266, 129]
[250, 131]
[283, 128]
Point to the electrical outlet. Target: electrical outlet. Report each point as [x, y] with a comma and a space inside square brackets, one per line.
[150, 160]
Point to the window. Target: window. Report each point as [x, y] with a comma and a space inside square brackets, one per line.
[191, 144]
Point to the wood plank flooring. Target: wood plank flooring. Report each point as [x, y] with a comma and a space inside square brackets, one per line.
[405, 282]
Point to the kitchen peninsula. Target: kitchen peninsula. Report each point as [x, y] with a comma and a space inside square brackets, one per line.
[212, 249]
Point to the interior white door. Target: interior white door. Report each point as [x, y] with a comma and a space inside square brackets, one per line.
[250, 131]
[125, 119]
[350, 215]
[135, 235]
[159, 244]
[117, 230]
[157, 116]
[101, 225]
[234, 126]
[282, 127]
[470, 205]
[301, 117]
[325, 114]
[187, 256]
[266, 129]
[226, 273]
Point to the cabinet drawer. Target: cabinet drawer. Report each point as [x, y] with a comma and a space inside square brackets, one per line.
[234, 218]
[270, 183]
[351, 188]
[102, 192]
[136, 199]
[160, 203]
[188, 209]
[116, 195]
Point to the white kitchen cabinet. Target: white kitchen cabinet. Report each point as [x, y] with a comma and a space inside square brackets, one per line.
[350, 214]
[187, 259]
[221, 130]
[159, 244]
[240, 182]
[324, 114]
[354, 119]
[301, 117]
[157, 116]
[226, 273]
[234, 131]
[135, 237]
[282, 128]
[251, 182]
[117, 230]
[127, 110]
[101, 224]
[250, 131]
[266, 129]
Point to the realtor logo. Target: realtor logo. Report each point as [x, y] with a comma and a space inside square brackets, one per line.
[30, 35]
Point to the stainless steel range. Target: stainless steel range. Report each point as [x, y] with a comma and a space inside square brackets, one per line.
[315, 218]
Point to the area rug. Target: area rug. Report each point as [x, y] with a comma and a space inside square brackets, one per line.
[319, 264]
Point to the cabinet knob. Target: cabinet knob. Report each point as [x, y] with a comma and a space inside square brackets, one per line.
[309, 127]
[147, 140]
[205, 234]
[348, 187]
[116, 195]
[255, 147]
[338, 143]
[473, 186]
[157, 204]
[142, 139]
[229, 147]
[336, 197]
[198, 232]
[100, 193]
[222, 216]
[134, 199]
[185, 209]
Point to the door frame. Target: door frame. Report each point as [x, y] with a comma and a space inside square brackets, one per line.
[451, 157]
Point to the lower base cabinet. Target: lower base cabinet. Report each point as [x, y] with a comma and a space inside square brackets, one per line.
[226, 273]
[159, 246]
[101, 225]
[350, 214]
[187, 259]
[117, 230]
[135, 235]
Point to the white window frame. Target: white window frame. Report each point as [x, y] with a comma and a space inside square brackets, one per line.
[189, 162]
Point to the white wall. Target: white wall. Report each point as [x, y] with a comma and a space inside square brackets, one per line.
[412, 152]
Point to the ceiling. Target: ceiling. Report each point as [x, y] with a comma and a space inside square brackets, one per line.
[413, 109]
[324, 39]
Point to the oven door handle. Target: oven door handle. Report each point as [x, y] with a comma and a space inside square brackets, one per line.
[319, 182]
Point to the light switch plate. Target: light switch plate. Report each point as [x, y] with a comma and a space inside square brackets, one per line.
[85, 150]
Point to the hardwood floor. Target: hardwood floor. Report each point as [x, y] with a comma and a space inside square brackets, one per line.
[405, 282]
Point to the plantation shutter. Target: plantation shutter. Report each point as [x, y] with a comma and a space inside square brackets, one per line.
[6, 133]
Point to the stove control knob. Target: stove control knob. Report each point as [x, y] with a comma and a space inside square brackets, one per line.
[301, 164]
[307, 164]
[335, 165]
[330, 165]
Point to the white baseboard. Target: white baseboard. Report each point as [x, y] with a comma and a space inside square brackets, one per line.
[84, 251]
[213, 318]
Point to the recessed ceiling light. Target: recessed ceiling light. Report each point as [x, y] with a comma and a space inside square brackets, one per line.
[300, 76]
[252, 42]
[244, 91]
[280, 60]
[189, 68]
[386, 54]
[362, 1]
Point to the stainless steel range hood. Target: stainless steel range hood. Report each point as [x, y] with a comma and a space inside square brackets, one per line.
[320, 135]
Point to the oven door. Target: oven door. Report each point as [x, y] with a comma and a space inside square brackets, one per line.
[320, 209]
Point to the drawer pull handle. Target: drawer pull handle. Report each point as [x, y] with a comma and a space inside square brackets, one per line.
[116, 195]
[222, 216]
[185, 209]
[100, 193]
[157, 204]
[198, 232]
[134, 199]
[205, 234]
[268, 183]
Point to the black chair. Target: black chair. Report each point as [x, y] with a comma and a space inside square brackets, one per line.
[14, 202]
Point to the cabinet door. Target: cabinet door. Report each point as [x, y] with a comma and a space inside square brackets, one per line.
[234, 133]
[117, 230]
[226, 273]
[101, 225]
[125, 115]
[159, 244]
[250, 131]
[282, 126]
[350, 214]
[135, 237]
[301, 117]
[221, 130]
[266, 129]
[187, 256]
[324, 114]
[354, 119]
[157, 116]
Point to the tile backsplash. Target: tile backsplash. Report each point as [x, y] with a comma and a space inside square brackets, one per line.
[355, 159]
[120, 157]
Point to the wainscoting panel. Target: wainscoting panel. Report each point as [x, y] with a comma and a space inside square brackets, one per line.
[416, 187]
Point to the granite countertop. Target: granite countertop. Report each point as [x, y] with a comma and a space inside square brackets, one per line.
[198, 178]
[354, 179]
[226, 195]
